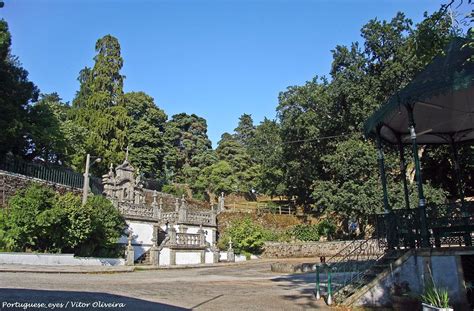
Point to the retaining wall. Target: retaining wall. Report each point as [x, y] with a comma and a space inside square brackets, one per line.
[10, 183]
[57, 259]
[303, 249]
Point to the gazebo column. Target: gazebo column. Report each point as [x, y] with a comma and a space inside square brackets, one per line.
[419, 181]
[403, 172]
[387, 209]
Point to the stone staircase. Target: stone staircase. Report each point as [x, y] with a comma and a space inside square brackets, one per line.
[144, 259]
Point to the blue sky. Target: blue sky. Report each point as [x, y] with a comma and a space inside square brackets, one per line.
[218, 59]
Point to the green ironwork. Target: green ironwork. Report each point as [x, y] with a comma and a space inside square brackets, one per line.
[346, 271]
[448, 73]
[451, 224]
[329, 297]
[419, 181]
[48, 172]
[318, 288]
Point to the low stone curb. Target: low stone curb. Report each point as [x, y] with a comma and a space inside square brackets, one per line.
[64, 269]
[282, 267]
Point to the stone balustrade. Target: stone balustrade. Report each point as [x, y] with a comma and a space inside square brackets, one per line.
[133, 210]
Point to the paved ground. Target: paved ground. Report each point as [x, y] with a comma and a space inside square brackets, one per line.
[246, 286]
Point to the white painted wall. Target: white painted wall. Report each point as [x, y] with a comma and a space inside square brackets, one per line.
[143, 233]
[57, 259]
[209, 257]
[188, 258]
[165, 257]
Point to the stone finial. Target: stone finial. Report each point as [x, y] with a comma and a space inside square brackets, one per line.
[183, 201]
[161, 203]
[130, 237]
[155, 195]
[230, 244]
[176, 204]
[126, 154]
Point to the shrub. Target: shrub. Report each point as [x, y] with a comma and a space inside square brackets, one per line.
[247, 236]
[40, 220]
[326, 228]
[305, 232]
[174, 189]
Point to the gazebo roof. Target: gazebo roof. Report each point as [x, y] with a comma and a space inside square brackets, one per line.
[441, 98]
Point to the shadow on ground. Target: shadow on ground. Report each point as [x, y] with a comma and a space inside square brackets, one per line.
[24, 299]
[304, 284]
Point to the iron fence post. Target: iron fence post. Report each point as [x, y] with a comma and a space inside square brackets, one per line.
[318, 292]
[329, 299]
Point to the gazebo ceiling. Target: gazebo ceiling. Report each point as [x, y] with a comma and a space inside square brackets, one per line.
[441, 98]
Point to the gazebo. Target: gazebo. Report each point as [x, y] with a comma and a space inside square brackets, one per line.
[436, 107]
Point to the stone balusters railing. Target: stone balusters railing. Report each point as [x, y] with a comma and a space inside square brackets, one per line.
[186, 240]
[181, 214]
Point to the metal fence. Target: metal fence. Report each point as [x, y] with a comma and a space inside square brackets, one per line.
[48, 172]
[448, 225]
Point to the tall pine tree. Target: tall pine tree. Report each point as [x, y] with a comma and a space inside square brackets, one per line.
[99, 104]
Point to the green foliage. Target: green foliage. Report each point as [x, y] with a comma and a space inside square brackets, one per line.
[305, 232]
[185, 138]
[434, 295]
[16, 93]
[266, 151]
[145, 134]
[326, 228]
[247, 236]
[99, 105]
[243, 170]
[40, 220]
[245, 131]
[174, 189]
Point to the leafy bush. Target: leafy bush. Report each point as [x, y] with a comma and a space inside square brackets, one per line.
[313, 232]
[305, 232]
[174, 189]
[40, 220]
[326, 228]
[247, 236]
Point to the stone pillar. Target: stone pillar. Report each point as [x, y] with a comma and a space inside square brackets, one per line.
[130, 260]
[176, 205]
[172, 234]
[182, 211]
[172, 257]
[202, 236]
[203, 256]
[221, 203]
[230, 253]
[154, 250]
[215, 253]
[154, 205]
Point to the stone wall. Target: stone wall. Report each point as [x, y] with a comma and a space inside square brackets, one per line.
[45, 259]
[303, 249]
[10, 183]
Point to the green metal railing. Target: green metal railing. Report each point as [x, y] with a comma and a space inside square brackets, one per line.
[48, 172]
[448, 225]
[346, 271]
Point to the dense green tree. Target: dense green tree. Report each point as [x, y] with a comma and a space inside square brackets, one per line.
[99, 105]
[216, 179]
[185, 138]
[266, 151]
[363, 78]
[245, 130]
[244, 169]
[145, 134]
[16, 93]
